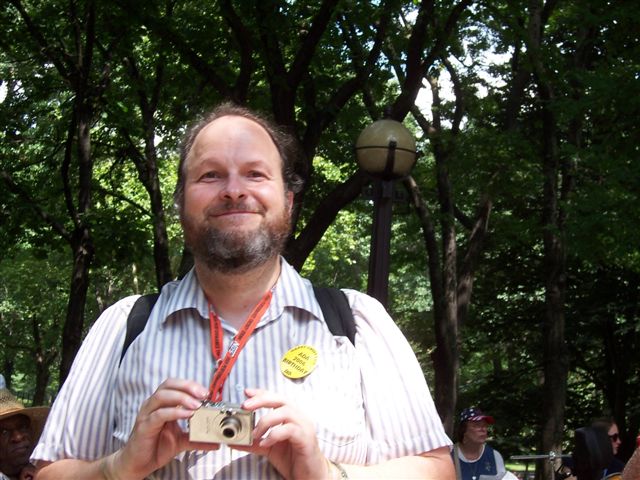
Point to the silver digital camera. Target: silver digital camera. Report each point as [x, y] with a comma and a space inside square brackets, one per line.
[222, 423]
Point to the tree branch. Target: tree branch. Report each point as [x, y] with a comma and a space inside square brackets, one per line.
[417, 69]
[347, 90]
[310, 43]
[299, 248]
[245, 40]
[472, 256]
[165, 31]
[57, 58]
[458, 92]
[121, 197]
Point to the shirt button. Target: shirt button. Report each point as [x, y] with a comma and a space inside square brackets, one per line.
[239, 387]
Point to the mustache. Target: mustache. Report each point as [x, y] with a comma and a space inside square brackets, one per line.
[231, 206]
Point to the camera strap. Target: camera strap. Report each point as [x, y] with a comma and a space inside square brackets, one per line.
[235, 347]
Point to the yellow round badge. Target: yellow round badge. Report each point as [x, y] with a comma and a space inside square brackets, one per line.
[299, 361]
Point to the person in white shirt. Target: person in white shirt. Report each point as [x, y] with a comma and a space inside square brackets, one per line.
[350, 410]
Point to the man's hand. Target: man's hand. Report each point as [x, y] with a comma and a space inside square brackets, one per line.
[286, 437]
[27, 473]
[156, 436]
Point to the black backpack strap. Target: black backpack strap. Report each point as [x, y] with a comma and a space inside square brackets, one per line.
[137, 319]
[337, 312]
[333, 302]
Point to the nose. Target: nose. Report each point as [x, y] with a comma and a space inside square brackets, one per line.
[233, 188]
[19, 434]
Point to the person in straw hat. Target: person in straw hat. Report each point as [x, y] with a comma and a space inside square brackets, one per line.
[20, 429]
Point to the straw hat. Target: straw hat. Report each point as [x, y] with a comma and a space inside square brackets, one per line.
[10, 405]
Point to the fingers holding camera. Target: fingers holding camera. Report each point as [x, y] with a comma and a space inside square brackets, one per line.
[156, 437]
[295, 426]
[286, 437]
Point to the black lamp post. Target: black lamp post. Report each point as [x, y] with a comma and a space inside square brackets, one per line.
[387, 151]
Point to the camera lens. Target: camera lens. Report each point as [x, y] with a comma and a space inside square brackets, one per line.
[230, 427]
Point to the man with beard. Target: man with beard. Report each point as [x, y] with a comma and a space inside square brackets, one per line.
[324, 407]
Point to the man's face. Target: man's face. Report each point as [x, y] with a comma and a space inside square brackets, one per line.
[15, 444]
[476, 432]
[236, 213]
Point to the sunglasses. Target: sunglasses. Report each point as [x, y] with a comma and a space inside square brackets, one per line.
[615, 437]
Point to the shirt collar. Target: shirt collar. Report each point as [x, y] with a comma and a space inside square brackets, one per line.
[293, 291]
[290, 291]
[184, 294]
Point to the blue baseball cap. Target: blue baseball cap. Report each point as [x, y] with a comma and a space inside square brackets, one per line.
[473, 414]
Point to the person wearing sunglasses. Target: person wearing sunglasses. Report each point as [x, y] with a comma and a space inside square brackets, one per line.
[613, 471]
[609, 424]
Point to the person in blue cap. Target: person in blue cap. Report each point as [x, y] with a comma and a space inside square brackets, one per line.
[474, 459]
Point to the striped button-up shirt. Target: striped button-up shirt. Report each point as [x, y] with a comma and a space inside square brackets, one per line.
[369, 402]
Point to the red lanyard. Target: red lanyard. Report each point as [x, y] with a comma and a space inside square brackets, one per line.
[237, 344]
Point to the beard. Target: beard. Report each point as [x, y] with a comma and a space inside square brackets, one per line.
[232, 250]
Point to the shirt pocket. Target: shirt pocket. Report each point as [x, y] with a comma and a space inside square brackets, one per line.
[332, 396]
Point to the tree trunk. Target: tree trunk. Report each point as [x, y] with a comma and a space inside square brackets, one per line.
[555, 357]
[81, 241]
[7, 367]
[74, 323]
[446, 355]
[450, 288]
[76, 68]
[471, 258]
[554, 346]
[43, 362]
[152, 184]
[147, 165]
